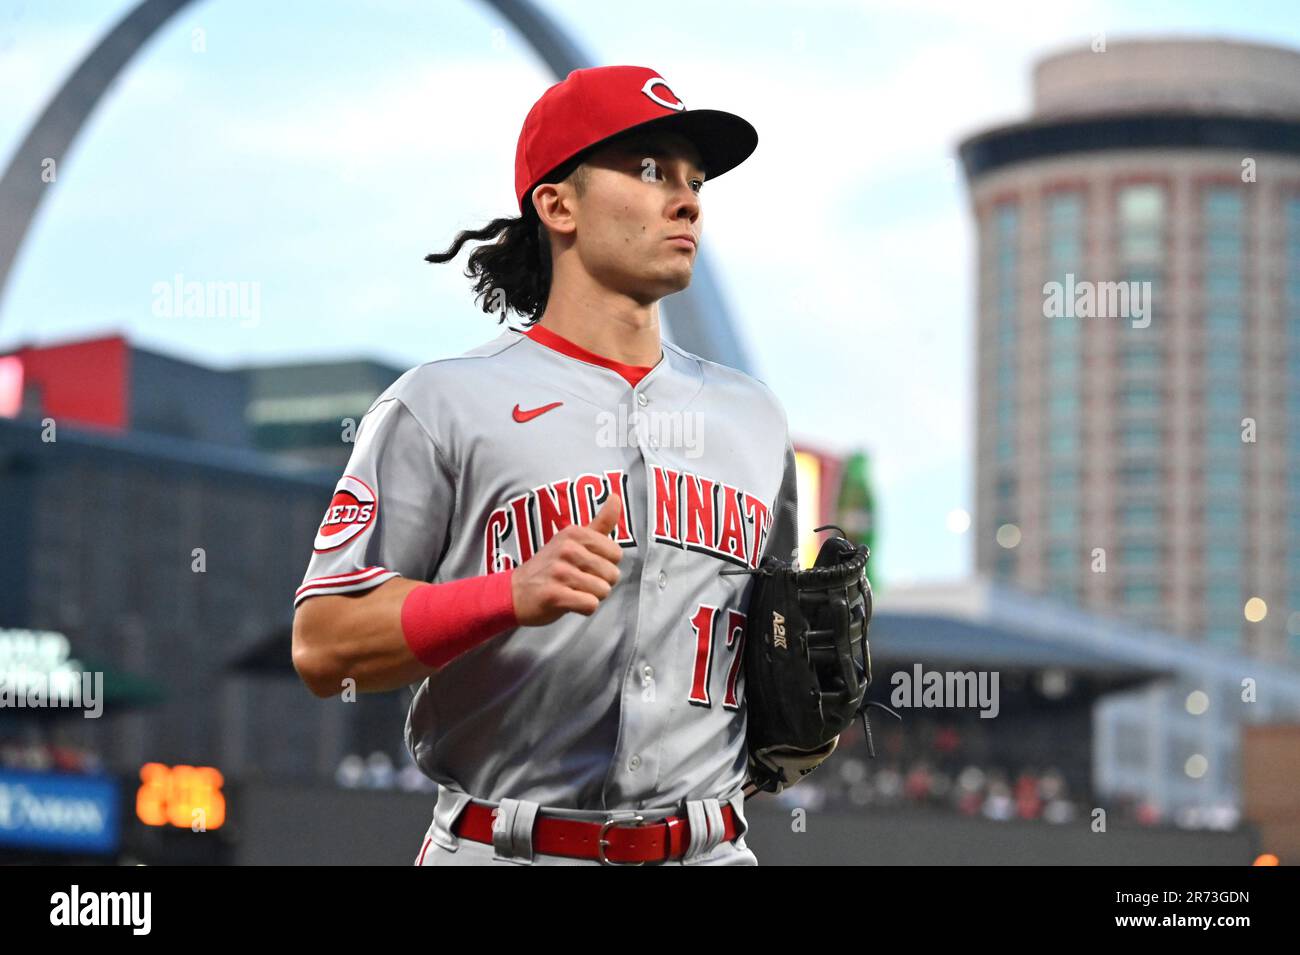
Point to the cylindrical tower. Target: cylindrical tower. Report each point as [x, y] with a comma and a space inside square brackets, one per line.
[1138, 443]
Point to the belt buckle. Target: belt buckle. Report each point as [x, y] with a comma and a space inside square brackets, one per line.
[602, 843]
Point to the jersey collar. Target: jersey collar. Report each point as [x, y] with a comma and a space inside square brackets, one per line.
[632, 374]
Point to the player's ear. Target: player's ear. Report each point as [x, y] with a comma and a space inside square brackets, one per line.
[553, 202]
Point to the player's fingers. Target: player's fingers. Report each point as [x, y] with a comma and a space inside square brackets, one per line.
[598, 544]
[606, 518]
[577, 601]
[575, 579]
[593, 562]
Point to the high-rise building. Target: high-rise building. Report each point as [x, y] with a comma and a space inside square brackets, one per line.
[1138, 445]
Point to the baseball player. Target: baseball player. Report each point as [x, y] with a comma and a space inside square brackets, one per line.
[530, 535]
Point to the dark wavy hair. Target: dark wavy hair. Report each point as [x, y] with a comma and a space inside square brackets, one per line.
[513, 273]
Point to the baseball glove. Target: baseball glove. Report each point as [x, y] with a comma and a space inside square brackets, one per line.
[807, 661]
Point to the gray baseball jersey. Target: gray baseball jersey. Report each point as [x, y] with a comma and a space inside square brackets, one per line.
[469, 465]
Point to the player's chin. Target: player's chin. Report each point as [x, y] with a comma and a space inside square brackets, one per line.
[678, 274]
[673, 284]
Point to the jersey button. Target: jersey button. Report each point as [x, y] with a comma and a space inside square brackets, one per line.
[642, 400]
[647, 671]
[663, 580]
[634, 763]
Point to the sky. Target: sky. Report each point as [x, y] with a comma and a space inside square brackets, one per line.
[320, 149]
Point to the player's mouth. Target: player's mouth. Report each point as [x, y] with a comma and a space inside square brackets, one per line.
[683, 241]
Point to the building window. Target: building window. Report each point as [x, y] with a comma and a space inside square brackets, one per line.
[1223, 319]
[1222, 479]
[1064, 441]
[1005, 235]
[1142, 218]
[1224, 404]
[1064, 405]
[1223, 512]
[1223, 363]
[1139, 475]
[1063, 561]
[1222, 208]
[1063, 365]
[1142, 206]
[1065, 254]
[1064, 482]
[1065, 211]
[1223, 286]
[1140, 397]
[1223, 436]
[1006, 220]
[1064, 234]
[1062, 520]
[1140, 436]
[1141, 594]
[1223, 247]
[1141, 359]
[1139, 514]
[1141, 557]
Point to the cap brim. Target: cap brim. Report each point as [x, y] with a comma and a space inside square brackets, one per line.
[724, 139]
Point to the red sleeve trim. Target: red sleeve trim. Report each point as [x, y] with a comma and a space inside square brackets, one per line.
[362, 579]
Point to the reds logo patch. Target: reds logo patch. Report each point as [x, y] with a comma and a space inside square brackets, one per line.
[351, 511]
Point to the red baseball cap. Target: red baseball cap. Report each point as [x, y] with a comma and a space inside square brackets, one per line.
[594, 105]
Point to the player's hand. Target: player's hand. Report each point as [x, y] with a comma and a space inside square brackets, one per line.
[575, 571]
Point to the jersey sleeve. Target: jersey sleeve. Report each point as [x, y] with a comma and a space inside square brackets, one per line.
[391, 510]
[783, 539]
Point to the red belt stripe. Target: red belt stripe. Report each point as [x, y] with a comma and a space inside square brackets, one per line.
[657, 841]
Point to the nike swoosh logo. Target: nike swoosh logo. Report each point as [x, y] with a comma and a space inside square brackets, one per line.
[522, 416]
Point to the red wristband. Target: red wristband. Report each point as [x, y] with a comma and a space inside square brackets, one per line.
[442, 621]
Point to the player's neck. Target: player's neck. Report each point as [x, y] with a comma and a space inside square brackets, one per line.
[616, 328]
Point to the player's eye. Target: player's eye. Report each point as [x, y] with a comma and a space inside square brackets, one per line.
[656, 172]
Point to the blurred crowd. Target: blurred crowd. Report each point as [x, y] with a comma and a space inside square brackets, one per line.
[951, 769]
[922, 765]
[850, 781]
[997, 793]
[39, 756]
[377, 771]
[961, 768]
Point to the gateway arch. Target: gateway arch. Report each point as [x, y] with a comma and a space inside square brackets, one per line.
[697, 318]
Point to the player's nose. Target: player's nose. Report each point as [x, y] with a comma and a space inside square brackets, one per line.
[686, 204]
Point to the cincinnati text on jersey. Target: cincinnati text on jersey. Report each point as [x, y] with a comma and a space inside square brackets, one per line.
[692, 512]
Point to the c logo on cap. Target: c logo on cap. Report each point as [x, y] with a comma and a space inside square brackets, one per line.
[659, 80]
